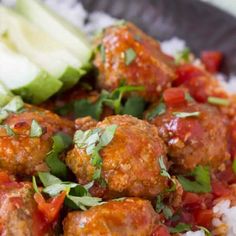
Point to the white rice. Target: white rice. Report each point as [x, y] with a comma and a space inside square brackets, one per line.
[194, 233]
[173, 46]
[225, 215]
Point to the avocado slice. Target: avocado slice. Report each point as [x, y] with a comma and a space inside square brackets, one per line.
[40, 47]
[20, 75]
[60, 29]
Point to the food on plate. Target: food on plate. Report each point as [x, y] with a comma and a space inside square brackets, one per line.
[130, 162]
[195, 134]
[130, 136]
[27, 137]
[129, 216]
[124, 52]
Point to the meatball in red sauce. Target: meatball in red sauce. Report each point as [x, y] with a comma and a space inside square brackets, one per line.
[21, 154]
[196, 134]
[129, 217]
[126, 53]
[130, 162]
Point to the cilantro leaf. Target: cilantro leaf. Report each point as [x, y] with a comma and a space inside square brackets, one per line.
[158, 110]
[206, 231]
[102, 50]
[48, 179]
[82, 202]
[61, 142]
[202, 182]
[93, 141]
[35, 186]
[130, 56]
[161, 207]
[218, 101]
[134, 106]
[164, 171]
[15, 105]
[8, 129]
[182, 56]
[186, 114]
[35, 130]
[180, 228]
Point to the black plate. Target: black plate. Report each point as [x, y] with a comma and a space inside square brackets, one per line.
[201, 25]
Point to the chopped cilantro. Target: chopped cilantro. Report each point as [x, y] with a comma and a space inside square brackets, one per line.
[218, 101]
[134, 106]
[180, 228]
[186, 114]
[202, 182]
[15, 105]
[61, 142]
[206, 231]
[158, 110]
[93, 141]
[164, 171]
[8, 129]
[35, 130]
[130, 56]
[161, 207]
[84, 107]
[188, 97]
[77, 196]
[102, 50]
[182, 56]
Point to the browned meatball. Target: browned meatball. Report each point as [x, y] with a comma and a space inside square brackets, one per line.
[127, 53]
[18, 211]
[130, 217]
[130, 162]
[197, 140]
[20, 154]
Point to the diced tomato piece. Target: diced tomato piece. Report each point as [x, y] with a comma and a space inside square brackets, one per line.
[40, 225]
[4, 177]
[174, 97]
[191, 201]
[219, 189]
[186, 72]
[161, 230]
[50, 209]
[203, 217]
[212, 60]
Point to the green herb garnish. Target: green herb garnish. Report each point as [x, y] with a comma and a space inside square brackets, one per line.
[186, 114]
[201, 182]
[8, 129]
[61, 142]
[134, 106]
[188, 97]
[77, 196]
[218, 101]
[180, 228]
[161, 207]
[130, 56]
[102, 50]
[182, 56]
[35, 130]
[159, 110]
[15, 105]
[93, 141]
[206, 231]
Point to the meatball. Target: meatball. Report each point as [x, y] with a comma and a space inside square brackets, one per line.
[127, 53]
[196, 140]
[22, 155]
[130, 163]
[130, 217]
[18, 211]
